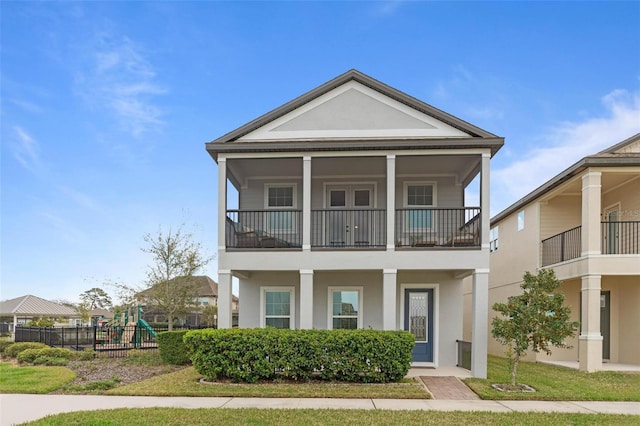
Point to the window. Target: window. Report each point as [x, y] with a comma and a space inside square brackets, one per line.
[419, 195]
[493, 239]
[345, 307]
[280, 197]
[277, 306]
[521, 220]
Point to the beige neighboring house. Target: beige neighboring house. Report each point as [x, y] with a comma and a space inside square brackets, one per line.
[585, 225]
[21, 310]
[351, 213]
[207, 294]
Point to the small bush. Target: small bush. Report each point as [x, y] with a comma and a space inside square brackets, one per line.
[13, 350]
[143, 357]
[30, 355]
[4, 344]
[51, 361]
[86, 355]
[248, 355]
[172, 347]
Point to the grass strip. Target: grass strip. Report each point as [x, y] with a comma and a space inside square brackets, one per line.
[307, 417]
[185, 382]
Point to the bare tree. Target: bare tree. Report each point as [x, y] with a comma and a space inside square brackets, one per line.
[176, 258]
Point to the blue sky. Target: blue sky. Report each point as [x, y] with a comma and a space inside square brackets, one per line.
[106, 106]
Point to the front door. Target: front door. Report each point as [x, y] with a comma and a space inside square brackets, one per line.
[418, 320]
[349, 221]
[612, 231]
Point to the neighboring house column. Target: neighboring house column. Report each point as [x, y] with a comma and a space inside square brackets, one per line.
[485, 217]
[222, 203]
[306, 299]
[479, 325]
[389, 294]
[306, 203]
[591, 208]
[225, 299]
[391, 202]
[590, 341]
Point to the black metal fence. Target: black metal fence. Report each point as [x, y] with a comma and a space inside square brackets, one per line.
[111, 341]
[433, 227]
[620, 237]
[264, 228]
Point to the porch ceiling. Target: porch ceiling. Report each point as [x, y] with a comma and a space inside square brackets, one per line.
[610, 181]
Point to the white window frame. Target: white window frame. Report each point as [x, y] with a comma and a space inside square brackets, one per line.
[292, 305]
[360, 307]
[520, 220]
[434, 201]
[494, 236]
[294, 206]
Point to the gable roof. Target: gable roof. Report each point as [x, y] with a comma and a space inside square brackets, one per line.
[205, 286]
[35, 306]
[623, 154]
[475, 135]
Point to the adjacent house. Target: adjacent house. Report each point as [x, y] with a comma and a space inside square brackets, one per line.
[205, 293]
[585, 225]
[347, 208]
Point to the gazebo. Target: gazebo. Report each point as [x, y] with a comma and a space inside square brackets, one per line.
[24, 308]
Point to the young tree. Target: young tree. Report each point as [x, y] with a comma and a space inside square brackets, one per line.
[96, 298]
[84, 310]
[176, 258]
[209, 315]
[535, 319]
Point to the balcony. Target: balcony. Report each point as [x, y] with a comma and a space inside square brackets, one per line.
[616, 238]
[422, 228]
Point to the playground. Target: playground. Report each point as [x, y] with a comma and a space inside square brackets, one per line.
[127, 330]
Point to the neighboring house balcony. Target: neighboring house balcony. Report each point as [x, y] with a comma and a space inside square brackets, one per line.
[617, 238]
[415, 228]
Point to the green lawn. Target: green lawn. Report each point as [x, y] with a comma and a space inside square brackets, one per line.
[252, 416]
[33, 379]
[185, 383]
[558, 383]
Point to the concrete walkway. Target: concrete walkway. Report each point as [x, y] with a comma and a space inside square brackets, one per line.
[16, 409]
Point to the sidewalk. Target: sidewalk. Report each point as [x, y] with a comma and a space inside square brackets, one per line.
[18, 408]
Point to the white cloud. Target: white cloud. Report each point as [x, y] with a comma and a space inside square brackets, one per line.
[79, 198]
[26, 150]
[119, 77]
[565, 144]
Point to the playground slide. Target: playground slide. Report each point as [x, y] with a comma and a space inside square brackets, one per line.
[147, 327]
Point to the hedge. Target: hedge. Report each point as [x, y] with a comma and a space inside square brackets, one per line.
[4, 344]
[249, 355]
[30, 355]
[172, 348]
[13, 350]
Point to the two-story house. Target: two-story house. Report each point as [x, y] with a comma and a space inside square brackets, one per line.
[351, 213]
[585, 225]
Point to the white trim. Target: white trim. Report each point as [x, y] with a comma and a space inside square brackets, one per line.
[363, 153]
[405, 195]
[292, 304]
[360, 307]
[294, 195]
[436, 315]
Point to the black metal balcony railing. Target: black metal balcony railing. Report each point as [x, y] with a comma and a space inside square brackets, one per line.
[616, 238]
[620, 237]
[438, 227]
[561, 247]
[264, 229]
[349, 228]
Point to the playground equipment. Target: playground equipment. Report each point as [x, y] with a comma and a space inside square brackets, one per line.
[127, 327]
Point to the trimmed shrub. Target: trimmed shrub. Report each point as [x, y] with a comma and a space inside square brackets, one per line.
[249, 355]
[4, 344]
[30, 355]
[172, 347]
[51, 361]
[13, 350]
[86, 355]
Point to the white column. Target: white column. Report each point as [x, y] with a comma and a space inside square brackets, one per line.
[479, 325]
[590, 341]
[306, 299]
[224, 299]
[222, 203]
[591, 207]
[306, 203]
[485, 217]
[391, 202]
[389, 302]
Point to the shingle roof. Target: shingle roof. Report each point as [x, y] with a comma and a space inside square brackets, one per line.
[34, 306]
[205, 286]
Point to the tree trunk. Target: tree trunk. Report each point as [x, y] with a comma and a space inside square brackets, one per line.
[514, 369]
